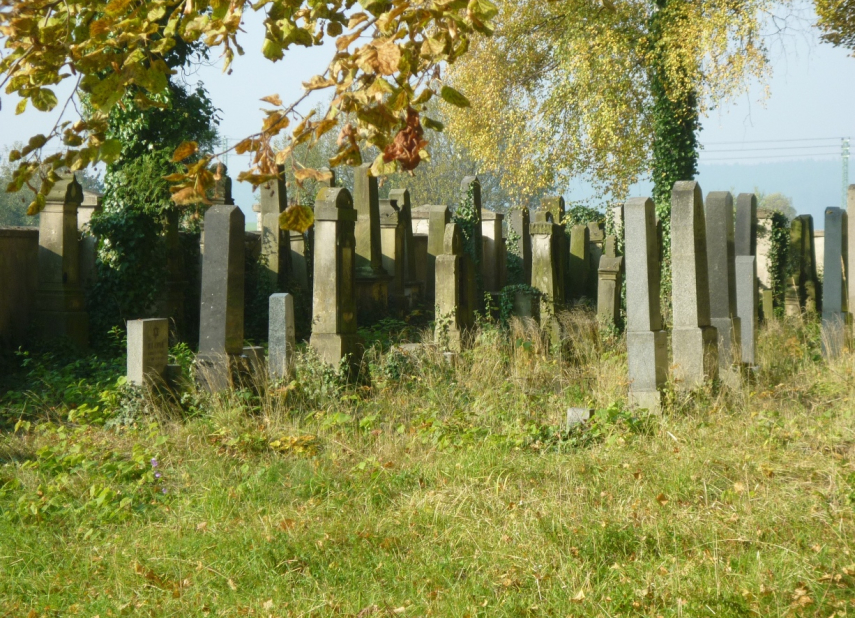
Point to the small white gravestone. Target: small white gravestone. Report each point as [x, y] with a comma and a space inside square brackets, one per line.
[577, 416]
[148, 350]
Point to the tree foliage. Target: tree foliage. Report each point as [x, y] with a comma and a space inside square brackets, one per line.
[837, 21]
[569, 86]
[385, 69]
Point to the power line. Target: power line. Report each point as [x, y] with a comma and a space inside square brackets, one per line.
[774, 141]
[836, 153]
[770, 148]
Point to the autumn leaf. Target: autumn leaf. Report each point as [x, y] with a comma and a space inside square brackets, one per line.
[452, 96]
[185, 150]
[297, 218]
[662, 499]
[388, 56]
[307, 173]
[406, 147]
[186, 196]
[273, 99]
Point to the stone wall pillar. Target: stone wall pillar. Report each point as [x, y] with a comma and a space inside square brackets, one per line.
[60, 301]
[694, 340]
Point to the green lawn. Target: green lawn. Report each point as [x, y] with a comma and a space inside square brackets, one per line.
[439, 490]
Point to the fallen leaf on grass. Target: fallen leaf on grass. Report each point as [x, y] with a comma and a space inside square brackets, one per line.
[662, 499]
[580, 596]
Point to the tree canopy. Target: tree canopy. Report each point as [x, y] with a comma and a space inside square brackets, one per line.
[386, 67]
[569, 85]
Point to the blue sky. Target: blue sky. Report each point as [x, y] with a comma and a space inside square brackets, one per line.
[789, 142]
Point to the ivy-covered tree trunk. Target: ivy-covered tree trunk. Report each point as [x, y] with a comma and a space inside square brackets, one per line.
[675, 117]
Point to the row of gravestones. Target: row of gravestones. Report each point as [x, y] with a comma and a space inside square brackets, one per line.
[715, 292]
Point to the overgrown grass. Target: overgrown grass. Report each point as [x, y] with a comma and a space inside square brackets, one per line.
[439, 489]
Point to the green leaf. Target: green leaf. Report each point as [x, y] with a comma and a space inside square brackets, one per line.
[110, 150]
[452, 96]
[430, 123]
[43, 99]
[272, 50]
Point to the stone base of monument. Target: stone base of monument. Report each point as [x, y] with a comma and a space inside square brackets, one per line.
[527, 304]
[647, 354]
[332, 348]
[695, 352]
[729, 341]
[372, 298]
[71, 324]
[836, 333]
[216, 373]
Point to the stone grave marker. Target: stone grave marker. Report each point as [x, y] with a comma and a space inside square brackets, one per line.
[545, 270]
[148, 350]
[610, 281]
[282, 339]
[334, 335]
[647, 343]
[747, 307]
[450, 322]
[275, 242]
[221, 314]
[60, 300]
[493, 251]
[836, 320]
[580, 262]
[519, 255]
[721, 262]
[694, 340]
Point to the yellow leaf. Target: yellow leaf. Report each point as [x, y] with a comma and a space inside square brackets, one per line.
[187, 195]
[185, 150]
[307, 173]
[343, 42]
[356, 19]
[388, 56]
[273, 99]
[580, 596]
[297, 218]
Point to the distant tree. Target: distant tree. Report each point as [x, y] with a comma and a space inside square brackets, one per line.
[776, 202]
[837, 22]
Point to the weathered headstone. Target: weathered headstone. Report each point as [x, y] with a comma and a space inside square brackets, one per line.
[450, 291]
[437, 217]
[610, 247]
[747, 286]
[366, 201]
[835, 312]
[580, 262]
[400, 199]
[721, 262]
[275, 242]
[493, 251]
[850, 233]
[471, 186]
[596, 238]
[813, 294]
[545, 270]
[647, 343]
[399, 249]
[746, 306]
[221, 315]
[334, 335]
[519, 242]
[282, 341]
[148, 350]
[694, 340]
[609, 284]
[556, 206]
[60, 301]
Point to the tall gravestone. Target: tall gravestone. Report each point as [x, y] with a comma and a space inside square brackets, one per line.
[275, 242]
[470, 187]
[334, 335]
[60, 300]
[372, 280]
[453, 291]
[850, 233]
[434, 218]
[282, 337]
[493, 251]
[398, 248]
[580, 262]
[596, 240]
[546, 271]
[813, 293]
[519, 241]
[835, 312]
[556, 207]
[747, 288]
[721, 262]
[646, 341]
[148, 350]
[609, 282]
[221, 312]
[694, 340]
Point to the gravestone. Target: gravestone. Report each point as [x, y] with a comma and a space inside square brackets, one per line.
[493, 251]
[221, 314]
[813, 294]
[835, 313]
[275, 242]
[434, 218]
[372, 280]
[453, 289]
[747, 286]
[746, 306]
[609, 284]
[610, 247]
[334, 335]
[545, 271]
[819, 244]
[556, 206]
[400, 199]
[60, 301]
[596, 239]
[850, 233]
[471, 185]
[148, 350]
[91, 204]
[721, 262]
[794, 282]
[282, 341]
[694, 340]
[646, 341]
[399, 249]
[519, 243]
[580, 262]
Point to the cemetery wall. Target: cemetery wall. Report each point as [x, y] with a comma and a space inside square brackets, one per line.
[19, 268]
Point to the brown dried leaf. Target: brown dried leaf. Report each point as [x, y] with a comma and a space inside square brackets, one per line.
[185, 150]
[273, 99]
[388, 56]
